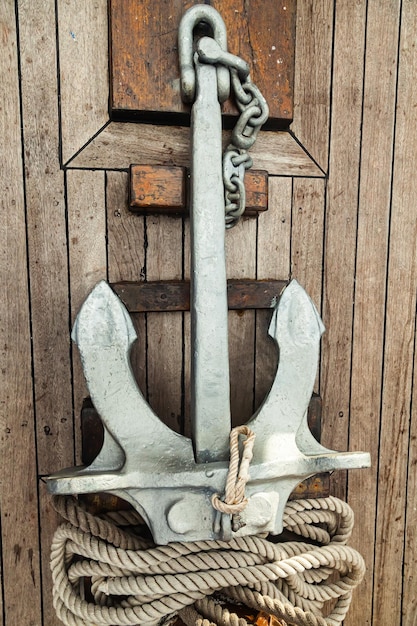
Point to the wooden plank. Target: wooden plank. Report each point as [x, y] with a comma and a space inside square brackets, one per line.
[121, 144]
[409, 594]
[312, 78]
[340, 235]
[175, 295]
[83, 44]
[398, 346]
[164, 189]
[241, 263]
[307, 235]
[46, 238]
[307, 239]
[87, 255]
[50, 522]
[144, 59]
[18, 490]
[164, 330]
[273, 261]
[370, 279]
[126, 257]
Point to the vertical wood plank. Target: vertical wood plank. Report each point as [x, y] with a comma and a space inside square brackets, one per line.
[370, 292]
[307, 235]
[399, 337]
[126, 257]
[409, 594]
[273, 261]
[18, 488]
[87, 255]
[340, 235]
[240, 247]
[164, 330]
[83, 70]
[312, 77]
[46, 236]
[307, 240]
[50, 520]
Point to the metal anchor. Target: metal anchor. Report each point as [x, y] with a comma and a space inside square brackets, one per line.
[168, 478]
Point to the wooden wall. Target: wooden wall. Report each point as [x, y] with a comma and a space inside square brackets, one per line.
[342, 220]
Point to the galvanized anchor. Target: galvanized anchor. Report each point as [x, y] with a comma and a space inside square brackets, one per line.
[170, 479]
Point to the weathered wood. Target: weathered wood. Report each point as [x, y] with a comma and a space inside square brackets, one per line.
[409, 593]
[83, 71]
[144, 58]
[273, 261]
[164, 330]
[370, 279]
[19, 527]
[50, 521]
[158, 187]
[399, 344]
[312, 94]
[340, 235]
[126, 257]
[164, 189]
[87, 254]
[121, 144]
[140, 297]
[241, 323]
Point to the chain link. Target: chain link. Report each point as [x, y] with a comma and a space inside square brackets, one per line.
[253, 114]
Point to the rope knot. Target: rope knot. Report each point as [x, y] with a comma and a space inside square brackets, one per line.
[234, 500]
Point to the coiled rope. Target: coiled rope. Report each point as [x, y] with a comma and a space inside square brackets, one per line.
[135, 582]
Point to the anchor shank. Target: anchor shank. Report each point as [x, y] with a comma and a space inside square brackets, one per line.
[210, 395]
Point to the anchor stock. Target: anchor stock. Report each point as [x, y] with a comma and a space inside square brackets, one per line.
[167, 477]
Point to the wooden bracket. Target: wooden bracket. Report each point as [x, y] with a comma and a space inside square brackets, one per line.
[164, 189]
[174, 295]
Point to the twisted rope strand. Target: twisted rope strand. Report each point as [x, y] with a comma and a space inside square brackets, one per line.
[133, 582]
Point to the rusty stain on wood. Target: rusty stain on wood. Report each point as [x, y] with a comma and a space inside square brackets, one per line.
[144, 59]
[164, 189]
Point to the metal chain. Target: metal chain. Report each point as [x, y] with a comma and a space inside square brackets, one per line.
[236, 160]
[253, 114]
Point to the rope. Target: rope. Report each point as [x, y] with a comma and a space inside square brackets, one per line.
[135, 582]
[238, 475]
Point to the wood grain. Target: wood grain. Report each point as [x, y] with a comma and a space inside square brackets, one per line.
[121, 144]
[174, 295]
[340, 234]
[19, 527]
[409, 594]
[164, 189]
[88, 263]
[47, 243]
[126, 257]
[83, 44]
[273, 261]
[241, 323]
[399, 344]
[164, 330]
[144, 53]
[312, 80]
[307, 235]
[370, 281]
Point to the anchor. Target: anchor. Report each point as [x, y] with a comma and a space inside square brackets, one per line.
[174, 482]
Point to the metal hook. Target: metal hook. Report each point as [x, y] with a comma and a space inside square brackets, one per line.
[195, 15]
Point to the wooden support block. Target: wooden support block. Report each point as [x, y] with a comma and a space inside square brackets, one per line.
[164, 189]
[158, 188]
[174, 295]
